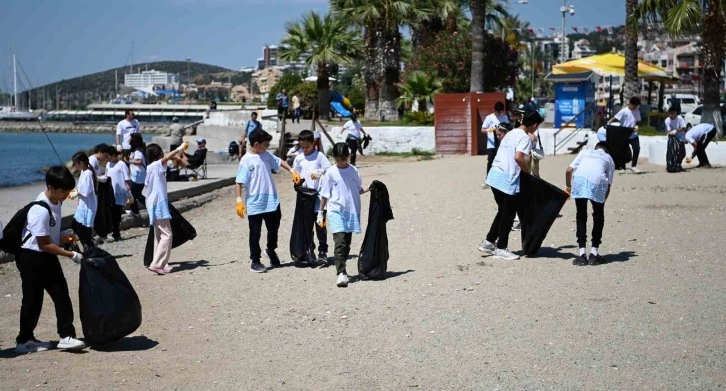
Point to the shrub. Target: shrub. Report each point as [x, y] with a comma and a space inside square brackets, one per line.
[419, 118]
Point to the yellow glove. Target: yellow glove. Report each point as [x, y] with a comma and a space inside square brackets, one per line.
[688, 160]
[241, 209]
[567, 191]
[321, 220]
[72, 239]
[296, 179]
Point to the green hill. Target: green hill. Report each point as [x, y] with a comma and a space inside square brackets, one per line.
[80, 91]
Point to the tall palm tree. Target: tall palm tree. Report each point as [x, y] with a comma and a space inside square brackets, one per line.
[631, 86]
[478, 30]
[380, 20]
[418, 87]
[687, 17]
[329, 41]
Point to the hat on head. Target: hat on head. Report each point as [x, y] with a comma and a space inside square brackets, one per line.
[316, 135]
[520, 109]
[175, 119]
[201, 140]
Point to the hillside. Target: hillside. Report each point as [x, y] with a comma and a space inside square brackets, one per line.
[601, 42]
[80, 91]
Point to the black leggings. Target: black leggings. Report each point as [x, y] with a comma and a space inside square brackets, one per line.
[509, 206]
[85, 235]
[598, 220]
[353, 147]
[635, 144]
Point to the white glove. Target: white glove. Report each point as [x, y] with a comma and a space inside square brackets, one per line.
[119, 148]
[315, 175]
[321, 219]
[102, 178]
[77, 258]
[73, 194]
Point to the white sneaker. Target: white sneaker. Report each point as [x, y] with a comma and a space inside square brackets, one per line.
[517, 226]
[342, 280]
[484, 186]
[635, 170]
[32, 346]
[487, 247]
[505, 254]
[70, 343]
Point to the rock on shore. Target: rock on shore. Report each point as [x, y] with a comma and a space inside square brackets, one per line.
[70, 127]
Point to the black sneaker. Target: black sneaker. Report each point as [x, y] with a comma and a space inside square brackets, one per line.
[580, 261]
[117, 238]
[257, 267]
[322, 259]
[272, 256]
[595, 260]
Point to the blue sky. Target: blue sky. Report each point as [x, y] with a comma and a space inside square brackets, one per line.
[60, 39]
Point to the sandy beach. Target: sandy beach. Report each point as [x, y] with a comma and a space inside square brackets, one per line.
[654, 317]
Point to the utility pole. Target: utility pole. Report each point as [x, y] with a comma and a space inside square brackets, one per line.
[565, 9]
[116, 84]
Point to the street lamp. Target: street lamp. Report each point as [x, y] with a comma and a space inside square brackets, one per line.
[565, 9]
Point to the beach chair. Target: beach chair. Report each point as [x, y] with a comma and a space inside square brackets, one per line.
[197, 166]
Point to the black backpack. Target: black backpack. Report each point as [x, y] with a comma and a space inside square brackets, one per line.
[13, 233]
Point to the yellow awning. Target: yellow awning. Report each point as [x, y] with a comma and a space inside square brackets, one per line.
[612, 64]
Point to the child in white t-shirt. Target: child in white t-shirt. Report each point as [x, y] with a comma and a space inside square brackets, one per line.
[87, 201]
[340, 189]
[137, 165]
[157, 204]
[629, 117]
[118, 172]
[39, 267]
[98, 158]
[354, 129]
[261, 202]
[590, 177]
[312, 164]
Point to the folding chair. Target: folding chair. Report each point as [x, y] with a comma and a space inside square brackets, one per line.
[197, 169]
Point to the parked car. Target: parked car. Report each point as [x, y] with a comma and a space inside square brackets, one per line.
[688, 102]
[693, 117]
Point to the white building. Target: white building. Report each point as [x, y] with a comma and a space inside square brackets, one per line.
[149, 79]
[582, 50]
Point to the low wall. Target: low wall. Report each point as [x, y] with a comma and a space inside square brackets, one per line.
[240, 118]
[394, 139]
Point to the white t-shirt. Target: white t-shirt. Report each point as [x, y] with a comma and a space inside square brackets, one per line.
[294, 150]
[39, 223]
[491, 121]
[87, 200]
[342, 187]
[255, 173]
[157, 198]
[675, 124]
[307, 164]
[125, 129]
[138, 173]
[353, 129]
[593, 175]
[119, 174]
[94, 163]
[696, 133]
[628, 119]
[504, 175]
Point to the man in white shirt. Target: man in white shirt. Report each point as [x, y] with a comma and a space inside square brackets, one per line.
[124, 130]
[676, 128]
[700, 136]
[629, 117]
[510, 162]
[489, 126]
[354, 129]
[293, 152]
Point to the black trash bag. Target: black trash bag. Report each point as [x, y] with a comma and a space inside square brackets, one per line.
[109, 307]
[618, 139]
[181, 230]
[103, 224]
[674, 155]
[373, 257]
[302, 246]
[366, 140]
[541, 203]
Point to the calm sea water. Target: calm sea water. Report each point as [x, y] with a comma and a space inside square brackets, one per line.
[23, 155]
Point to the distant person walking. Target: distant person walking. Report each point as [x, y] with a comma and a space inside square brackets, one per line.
[176, 132]
[124, 130]
[283, 103]
[354, 128]
[296, 108]
[252, 125]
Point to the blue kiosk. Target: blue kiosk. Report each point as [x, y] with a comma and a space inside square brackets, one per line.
[573, 94]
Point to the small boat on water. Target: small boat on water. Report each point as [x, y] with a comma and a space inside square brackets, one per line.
[9, 114]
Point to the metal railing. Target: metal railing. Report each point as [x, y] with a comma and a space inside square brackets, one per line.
[569, 137]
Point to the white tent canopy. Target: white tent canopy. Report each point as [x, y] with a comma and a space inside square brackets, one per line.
[313, 79]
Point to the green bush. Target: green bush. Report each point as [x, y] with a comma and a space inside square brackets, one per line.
[419, 118]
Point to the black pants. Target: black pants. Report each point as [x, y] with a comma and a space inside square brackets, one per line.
[508, 207]
[491, 154]
[85, 235]
[342, 250]
[353, 144]
[701, 148]
[598, 220]
[272, 222]
[635, 144]
[116, 212]
[137, 193]
[322, 234]
[42, 272]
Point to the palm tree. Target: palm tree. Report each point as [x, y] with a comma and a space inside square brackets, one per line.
[328, 41]
[480, 18]
[687, 17]
[380, 20]
[630, 85]
[418, 87]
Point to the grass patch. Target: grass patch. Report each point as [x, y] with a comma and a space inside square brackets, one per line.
[415, 152]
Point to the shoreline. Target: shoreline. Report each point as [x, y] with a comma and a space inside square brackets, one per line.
[70, 127]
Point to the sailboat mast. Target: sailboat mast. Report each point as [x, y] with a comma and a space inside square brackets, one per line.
[131, 67]
[15, 83]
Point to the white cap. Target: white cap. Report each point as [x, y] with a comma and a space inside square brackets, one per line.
[295, 142]
[317, 135]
